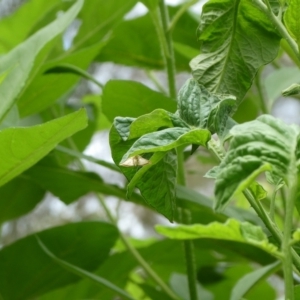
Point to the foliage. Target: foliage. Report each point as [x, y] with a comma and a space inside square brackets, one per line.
[221, 121]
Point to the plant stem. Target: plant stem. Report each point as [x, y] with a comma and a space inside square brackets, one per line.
[286, 247]
[136, 254]
[261, 93]
[272, 206]
[189, 253]
[279, 25]
[168, 50]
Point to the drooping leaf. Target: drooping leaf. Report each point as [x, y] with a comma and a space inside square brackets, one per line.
[232, 230]
[257, 146]
[18, 197]
[236, 39]
[292, 20]
[157, 184]
[132, 99]
[122, 125]
[38, 274]
[251, 279]
[23, 147]
[19, 62]
[167, 139]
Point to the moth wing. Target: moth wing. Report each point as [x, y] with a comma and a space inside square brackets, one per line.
[135, 161]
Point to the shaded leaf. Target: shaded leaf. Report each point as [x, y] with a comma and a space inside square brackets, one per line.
[251, 279]
[232, 230]
[18, 197]
[257, 146]
[23, 147]
[83, 273]
[132, 99]
[236, 39]
[294, 89]
[19, 62]
[38, 274]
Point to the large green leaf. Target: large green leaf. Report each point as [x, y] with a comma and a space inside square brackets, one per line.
[18, 197]
[257, 146]
[232, 230]
[292, 20]
[38, 273]
[167, 139]
[46, 89]
[23, 147]
[246, 283]
[15, 28]
[130, 46]
[17, 64]
[133, 99]
[236, 39]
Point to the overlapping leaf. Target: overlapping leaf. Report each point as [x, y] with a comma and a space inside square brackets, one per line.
[17, 64]
[232, 230]
[257, 146]
[23, 147]
[236, 39]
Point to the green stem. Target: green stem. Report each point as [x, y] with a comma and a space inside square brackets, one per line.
[136, 254]
[180, 163]
[189, 253]
[261, 93]
[168, 50]
[287, 261]
[278, 25]
[180, 12]
[272, 206]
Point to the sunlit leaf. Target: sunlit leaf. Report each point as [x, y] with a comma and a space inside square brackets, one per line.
[232, 230]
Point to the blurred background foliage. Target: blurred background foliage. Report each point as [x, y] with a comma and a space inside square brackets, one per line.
[115, 42]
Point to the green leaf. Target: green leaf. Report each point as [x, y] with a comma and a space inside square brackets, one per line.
[15, 28]
[297, 292]
[257, 146]
[167, 139]
[151, 4]
[122, 125]
[23, 147]
[292, 20]
[84, 274]
[251, 279]
[232, 230]
[19, 62]
[154, 121]
[130, 98]
[38, 274]
[236, 39]
[157, 185]
[294, 89]
[18, 197]
[130, 46]
[69, 185]
[50, 87]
